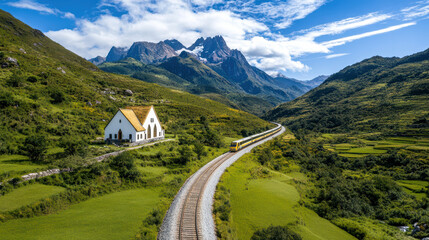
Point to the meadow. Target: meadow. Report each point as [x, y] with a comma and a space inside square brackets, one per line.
[113, 216]
[260, 197]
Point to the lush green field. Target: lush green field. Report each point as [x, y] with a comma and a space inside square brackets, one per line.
[415, 187]
[358, 145]
[271, 200]
[114, 216]
[27, 195]
[17, 163]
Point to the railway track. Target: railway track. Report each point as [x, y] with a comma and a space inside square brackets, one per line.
[189, 227]
[190, 214]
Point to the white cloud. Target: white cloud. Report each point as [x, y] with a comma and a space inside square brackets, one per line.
[342, 41]
[279, 12]
[421, 9]
[344, 25]
[336, 55]
[238, 21]
[32, 5]
[29, 4]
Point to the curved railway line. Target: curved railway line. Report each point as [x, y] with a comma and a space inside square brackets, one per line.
[189, 227]
[188, 216]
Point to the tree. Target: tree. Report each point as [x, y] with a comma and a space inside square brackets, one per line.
[199, 149]
[185, 155]
[276, 233]
[124, 163]
[73, 145]
[36, 147]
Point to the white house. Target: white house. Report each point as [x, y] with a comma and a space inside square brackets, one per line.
[134, 124]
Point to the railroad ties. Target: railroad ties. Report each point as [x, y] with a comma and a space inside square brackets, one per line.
[190, 212]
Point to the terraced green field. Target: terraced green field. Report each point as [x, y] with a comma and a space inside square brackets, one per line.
[26, 195]
[114, 216]
[259, 202]
[360, 147]
[414, 187]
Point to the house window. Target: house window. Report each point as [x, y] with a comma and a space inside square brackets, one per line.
[131, 136]
[110, 136]
[120, 120]
[138, 136]
[116, 136]
[152, 120]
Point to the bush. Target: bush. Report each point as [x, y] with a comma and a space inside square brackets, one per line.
[57, 97]
[15, 81]
[276, 233]
[32, 79]
[185, 155]
[6, 100]
[199, 150]
[73, 145]
[36, 147]
[124, 163]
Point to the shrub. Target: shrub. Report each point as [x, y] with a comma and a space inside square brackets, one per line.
[32, 79]
[57, 96]
[6, 100]
[124, 163]
[36, 147]
[15, 81]
[199, 150]
[73, 145]
[276, 233]
[185, 155]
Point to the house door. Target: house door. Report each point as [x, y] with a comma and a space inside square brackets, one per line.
[155, 133]
[149, 132]
[120, 135]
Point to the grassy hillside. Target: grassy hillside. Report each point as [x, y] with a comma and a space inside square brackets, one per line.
[48, 90]
[377, 94]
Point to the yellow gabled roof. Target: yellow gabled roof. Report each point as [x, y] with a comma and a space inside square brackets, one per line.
[132, 118]
[140, 111]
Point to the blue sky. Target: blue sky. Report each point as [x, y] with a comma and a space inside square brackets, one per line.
[299, 38]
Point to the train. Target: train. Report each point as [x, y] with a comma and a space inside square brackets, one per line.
[244, 142]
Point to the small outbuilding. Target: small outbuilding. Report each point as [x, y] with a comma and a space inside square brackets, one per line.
[136, 124]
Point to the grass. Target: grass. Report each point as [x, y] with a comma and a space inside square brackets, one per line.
[113, 216]
[360, 147]
[258, 203]
[17, 163]
[27, 195]
[414, 187]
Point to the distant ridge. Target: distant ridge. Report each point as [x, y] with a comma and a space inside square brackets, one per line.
[376, 94]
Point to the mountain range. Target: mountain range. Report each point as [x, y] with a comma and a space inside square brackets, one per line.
[209, 68]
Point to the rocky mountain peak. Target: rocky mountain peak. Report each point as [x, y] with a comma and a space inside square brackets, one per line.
[116, 54]
[173, 43]
[97, 60]
[148, 52]
[199, 42]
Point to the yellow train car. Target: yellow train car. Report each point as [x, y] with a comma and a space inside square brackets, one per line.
[244, 142]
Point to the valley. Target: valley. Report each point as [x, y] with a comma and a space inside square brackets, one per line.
[349, 158]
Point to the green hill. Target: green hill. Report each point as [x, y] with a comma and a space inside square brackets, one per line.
[48, 90]
[377, 94]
